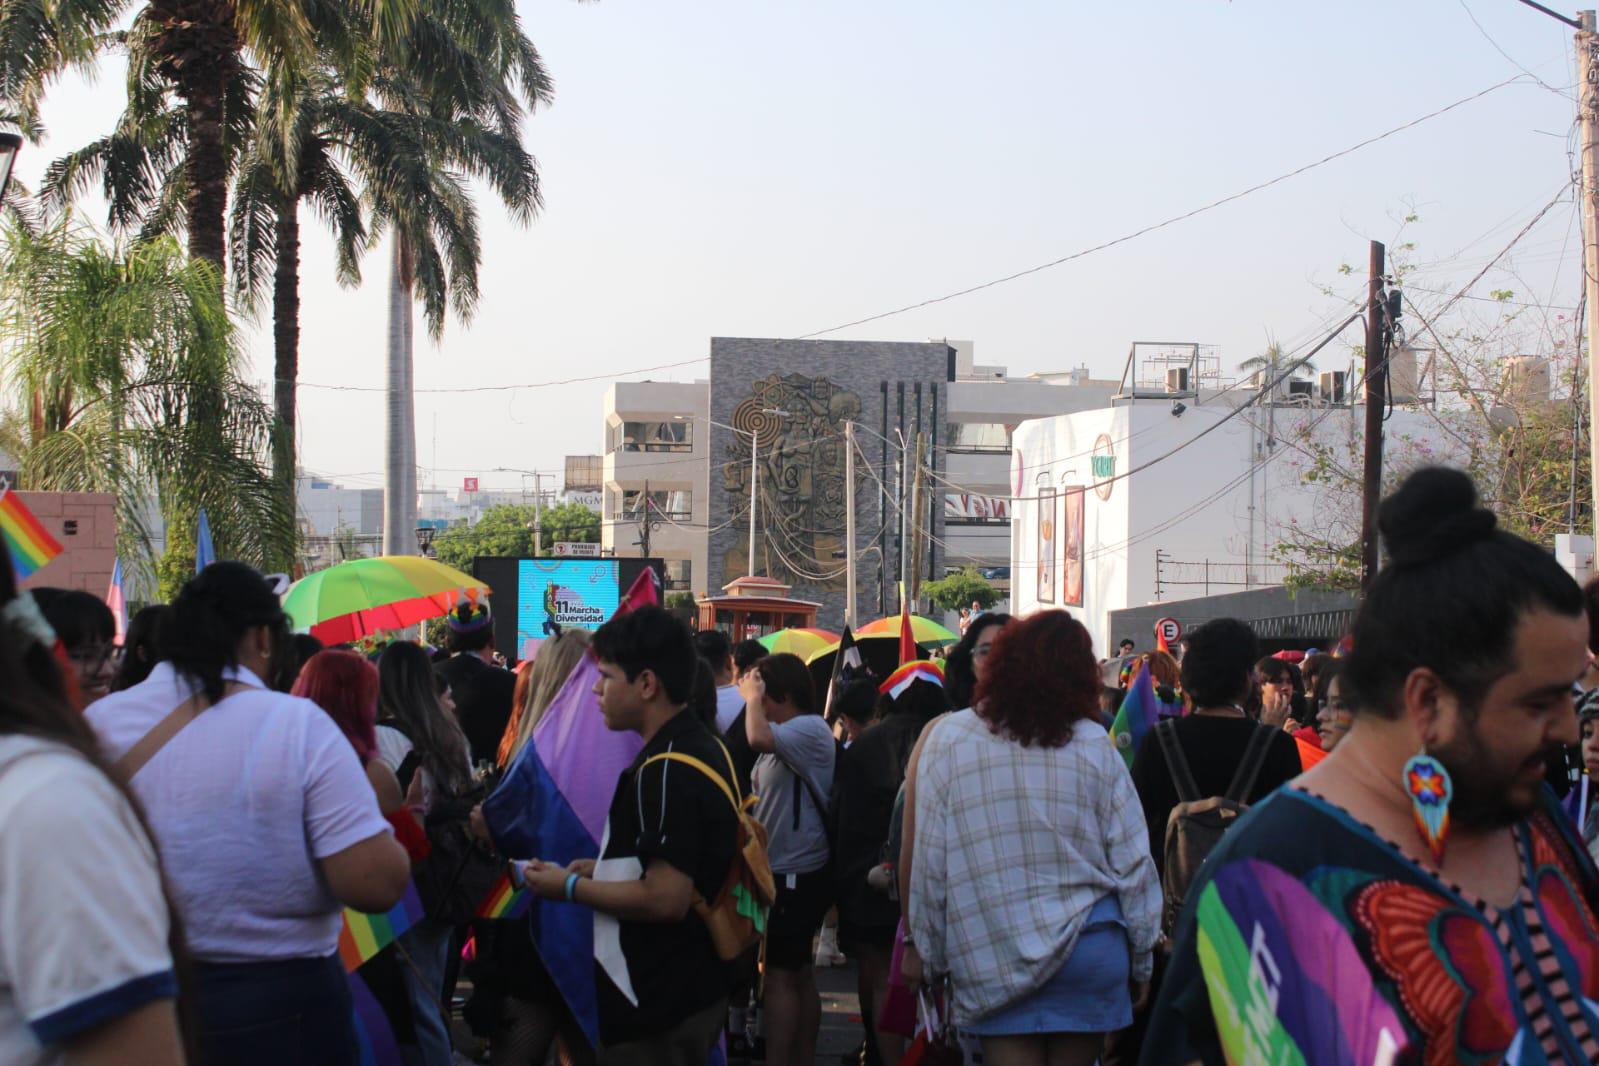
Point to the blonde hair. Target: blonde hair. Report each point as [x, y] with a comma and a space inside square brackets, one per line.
[557, 659]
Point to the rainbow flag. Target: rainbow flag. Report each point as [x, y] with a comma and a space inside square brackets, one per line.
[908, 673]
[30, 544]
[1138, 715]
[364, 935]
[505, 901]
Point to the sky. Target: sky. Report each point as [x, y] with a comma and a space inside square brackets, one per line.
[772, 168]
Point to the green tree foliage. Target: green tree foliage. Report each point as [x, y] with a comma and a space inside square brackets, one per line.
[960, 590]
[508, 530]
[1525, 446]
[123, 376]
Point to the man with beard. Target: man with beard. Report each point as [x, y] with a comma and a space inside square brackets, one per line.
[1417, 896]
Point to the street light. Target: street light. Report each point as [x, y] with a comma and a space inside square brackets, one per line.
[755, 465]
[10, 144]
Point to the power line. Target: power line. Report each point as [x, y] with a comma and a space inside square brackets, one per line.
[1170, 221]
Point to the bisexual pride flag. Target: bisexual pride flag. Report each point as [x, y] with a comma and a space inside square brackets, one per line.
[553, 804]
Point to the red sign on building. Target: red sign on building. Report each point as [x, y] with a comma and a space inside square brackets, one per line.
[470, 484]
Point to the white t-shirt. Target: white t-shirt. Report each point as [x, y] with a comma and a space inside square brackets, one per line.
[243, 802]
[728, 704]
[83, 926]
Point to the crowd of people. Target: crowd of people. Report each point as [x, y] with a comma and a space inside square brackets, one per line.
[1353, 856]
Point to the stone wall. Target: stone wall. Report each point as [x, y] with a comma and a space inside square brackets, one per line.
[888, 389]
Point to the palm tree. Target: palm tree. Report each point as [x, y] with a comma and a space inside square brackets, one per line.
[124, 377]
[193, 49]
[264, 234]
[1270, 360]
[453, 94]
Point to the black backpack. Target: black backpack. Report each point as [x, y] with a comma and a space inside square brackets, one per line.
[1197, 824]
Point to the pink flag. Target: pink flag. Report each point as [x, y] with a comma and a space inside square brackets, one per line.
[118, 605]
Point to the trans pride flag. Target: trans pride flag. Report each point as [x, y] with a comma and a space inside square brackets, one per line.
[553, 805]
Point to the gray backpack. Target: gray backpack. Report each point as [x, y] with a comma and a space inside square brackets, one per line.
[1196, 824]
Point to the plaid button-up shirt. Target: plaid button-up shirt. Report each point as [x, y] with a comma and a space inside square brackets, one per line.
[1014, 845]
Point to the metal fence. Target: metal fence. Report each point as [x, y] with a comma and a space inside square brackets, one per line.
[1172, 574]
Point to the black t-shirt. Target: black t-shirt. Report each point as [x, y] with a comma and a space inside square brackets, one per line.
[482, 701]
[737, 739]
[1213, 747]
[674, 813]
[869, 777]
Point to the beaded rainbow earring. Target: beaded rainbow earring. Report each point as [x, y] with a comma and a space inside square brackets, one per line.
[1430, 790]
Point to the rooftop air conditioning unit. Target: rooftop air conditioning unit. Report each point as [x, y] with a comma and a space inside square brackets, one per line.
[1300, 391]
[1403, 384]
[1333, 392]
[1527, 378]
[1177, 379]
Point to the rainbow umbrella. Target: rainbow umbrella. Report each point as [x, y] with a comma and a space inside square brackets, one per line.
[346, 602]
[924, 630]
[798, 641]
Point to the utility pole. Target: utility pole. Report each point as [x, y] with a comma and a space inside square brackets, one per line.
[918, 535]
[538, 517]
[905, 512]
[1588, 120]
[755, 480]
[1376, 400]
[849, 524]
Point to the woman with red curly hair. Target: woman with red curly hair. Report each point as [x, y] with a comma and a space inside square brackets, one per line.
[1032, 885]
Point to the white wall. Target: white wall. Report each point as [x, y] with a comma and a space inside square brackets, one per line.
[1195, 499]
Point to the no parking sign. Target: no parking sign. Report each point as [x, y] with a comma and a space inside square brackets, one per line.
[1168, 631]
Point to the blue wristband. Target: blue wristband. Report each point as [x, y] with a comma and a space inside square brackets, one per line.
[571, 887]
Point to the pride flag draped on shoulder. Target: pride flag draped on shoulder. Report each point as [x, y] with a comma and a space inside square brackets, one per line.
[553, 804]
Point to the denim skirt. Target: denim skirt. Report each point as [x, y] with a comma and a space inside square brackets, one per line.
[1088, 994]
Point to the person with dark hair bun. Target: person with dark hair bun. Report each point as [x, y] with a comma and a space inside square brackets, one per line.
[141, 645]
[1426, 845]
[265, 821]
[87, 970]
[1032, 885]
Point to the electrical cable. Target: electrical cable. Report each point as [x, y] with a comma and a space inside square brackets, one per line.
[1169, 221]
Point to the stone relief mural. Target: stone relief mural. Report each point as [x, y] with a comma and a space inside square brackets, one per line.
[801, 489]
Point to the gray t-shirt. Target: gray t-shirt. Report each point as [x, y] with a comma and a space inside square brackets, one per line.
[804, 745]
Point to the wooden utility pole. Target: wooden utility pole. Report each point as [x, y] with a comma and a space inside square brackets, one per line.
[1588, 127]
[850, 618]
[918, 535]
[1376, 400]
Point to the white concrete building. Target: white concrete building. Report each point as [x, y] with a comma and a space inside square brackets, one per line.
[1160, 500]
[656, 477]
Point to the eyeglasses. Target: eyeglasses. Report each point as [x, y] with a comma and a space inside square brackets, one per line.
[94, 657]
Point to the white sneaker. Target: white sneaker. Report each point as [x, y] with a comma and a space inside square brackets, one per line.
[827, 953]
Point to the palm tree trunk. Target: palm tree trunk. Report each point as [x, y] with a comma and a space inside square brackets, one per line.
[286, 354]
[207, 198]
[399, 475]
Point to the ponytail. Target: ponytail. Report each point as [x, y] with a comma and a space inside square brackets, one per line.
[212, 615]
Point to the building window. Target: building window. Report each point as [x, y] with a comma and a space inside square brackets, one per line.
[676, 505]
[650, 437]
[979, 437]
[679, 575]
